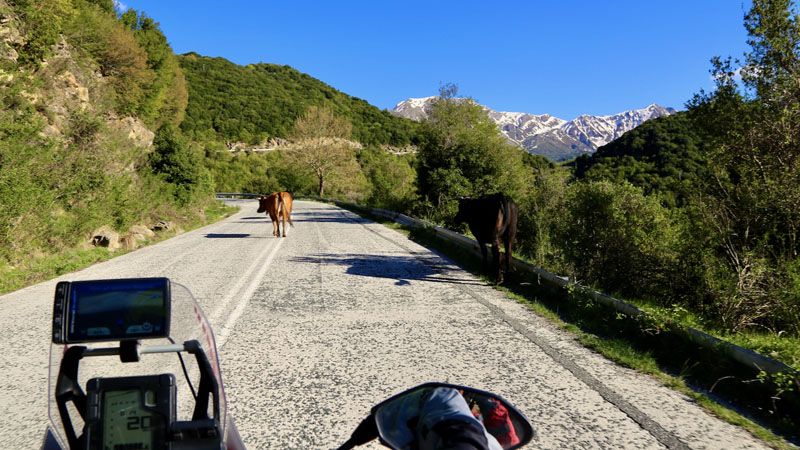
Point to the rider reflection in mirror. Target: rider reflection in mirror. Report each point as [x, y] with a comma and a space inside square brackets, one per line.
[494, 417]
[447, 423]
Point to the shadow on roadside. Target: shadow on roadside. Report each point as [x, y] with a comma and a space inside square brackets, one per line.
[401, 268]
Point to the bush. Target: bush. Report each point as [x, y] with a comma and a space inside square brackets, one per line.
[539, 213]
[392, 178]
[41, 23]
[755, 294]
[613, 236]
[180, 164]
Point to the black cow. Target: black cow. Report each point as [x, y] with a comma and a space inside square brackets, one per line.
[490, 219]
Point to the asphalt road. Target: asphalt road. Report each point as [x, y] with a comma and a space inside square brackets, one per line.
[317, 327]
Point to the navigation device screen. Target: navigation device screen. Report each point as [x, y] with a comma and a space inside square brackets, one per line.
[112, 310]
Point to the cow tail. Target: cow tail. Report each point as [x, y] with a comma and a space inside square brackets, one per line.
[504, 212]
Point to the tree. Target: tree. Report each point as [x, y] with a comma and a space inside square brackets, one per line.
[120, 58]
[540, 211]
[751, 203]
[463, 153]
[165, 96]
[180, 164]
[321, 143]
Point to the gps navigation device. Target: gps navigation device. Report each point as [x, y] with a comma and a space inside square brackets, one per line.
[111, 310]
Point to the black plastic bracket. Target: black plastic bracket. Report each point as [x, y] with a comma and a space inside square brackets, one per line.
[129, 351]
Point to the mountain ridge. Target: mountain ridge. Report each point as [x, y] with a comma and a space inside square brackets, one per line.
[547, 135]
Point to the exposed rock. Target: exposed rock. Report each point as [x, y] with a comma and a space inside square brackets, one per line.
[162, 225]
[73, 91]
[143, 231]
[6, 78]
[275, 142]
[408, 149]
[129, 242]
[66, 90]
[235, 146]
[135, 130]
[324, 141]
[10, 36]
[52, 131]
[108, 239]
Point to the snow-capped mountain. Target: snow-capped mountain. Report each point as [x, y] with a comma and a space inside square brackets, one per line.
[550, 136]
[413, 108]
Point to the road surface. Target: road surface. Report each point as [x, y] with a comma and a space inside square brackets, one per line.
[317, 327]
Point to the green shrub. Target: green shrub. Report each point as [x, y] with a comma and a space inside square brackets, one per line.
[540, 210]
[42, 22]
[613, 236]
[180, 164]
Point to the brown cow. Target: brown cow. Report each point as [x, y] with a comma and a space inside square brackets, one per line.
[492, 219]
[279, 207]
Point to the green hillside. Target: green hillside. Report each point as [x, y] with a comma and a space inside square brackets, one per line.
[89, 102]
[252, 103]
[665, 156]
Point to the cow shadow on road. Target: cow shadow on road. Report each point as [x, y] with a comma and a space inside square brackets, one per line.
[401, 268]
[228, 235]
[252, 220]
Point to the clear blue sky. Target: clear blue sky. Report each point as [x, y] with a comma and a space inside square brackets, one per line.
[564, 57]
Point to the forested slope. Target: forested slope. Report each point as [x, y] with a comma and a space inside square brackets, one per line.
[256, 102]
[664, 156]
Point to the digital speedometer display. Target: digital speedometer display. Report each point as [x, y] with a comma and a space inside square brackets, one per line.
[129, 413]
[126, 424]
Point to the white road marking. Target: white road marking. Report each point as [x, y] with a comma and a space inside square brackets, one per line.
[259, 261]
[245, 297]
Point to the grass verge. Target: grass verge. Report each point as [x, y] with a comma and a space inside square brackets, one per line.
[47, 267]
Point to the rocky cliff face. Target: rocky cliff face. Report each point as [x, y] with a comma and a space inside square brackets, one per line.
[10, 36]
[550, 136]
[64, 87]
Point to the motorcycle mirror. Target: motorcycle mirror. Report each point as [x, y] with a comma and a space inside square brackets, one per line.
[403, 418]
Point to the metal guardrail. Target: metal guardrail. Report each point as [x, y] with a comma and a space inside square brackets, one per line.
[740, 354]
[232, 195]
